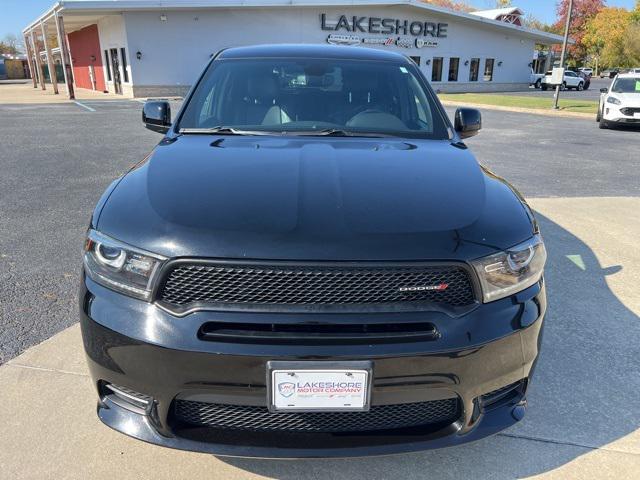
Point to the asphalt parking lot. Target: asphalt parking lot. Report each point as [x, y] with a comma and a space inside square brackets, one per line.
[593, 93]
[584, 414]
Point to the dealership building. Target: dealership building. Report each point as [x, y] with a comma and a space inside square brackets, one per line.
[140, 48]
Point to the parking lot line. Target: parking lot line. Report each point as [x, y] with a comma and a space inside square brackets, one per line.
[84, 106]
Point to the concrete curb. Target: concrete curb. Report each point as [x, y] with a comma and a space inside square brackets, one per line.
[534, 111]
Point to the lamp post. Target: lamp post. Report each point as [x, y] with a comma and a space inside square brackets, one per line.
[563, 54]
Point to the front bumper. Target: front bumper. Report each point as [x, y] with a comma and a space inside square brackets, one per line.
[612, 113]
[145, 349]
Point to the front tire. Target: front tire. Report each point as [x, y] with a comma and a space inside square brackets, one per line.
[580, 86]
[538, 83]
[563, 87]
[598, 116]
[603, 124]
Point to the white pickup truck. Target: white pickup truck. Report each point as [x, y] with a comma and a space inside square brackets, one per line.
[536, 79]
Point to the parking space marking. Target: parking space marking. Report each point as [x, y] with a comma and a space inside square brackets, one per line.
[84, 106]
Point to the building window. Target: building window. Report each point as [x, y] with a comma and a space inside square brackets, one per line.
[107, 64]
[416, 60]
[454, 63]
[488, 69]
[436, 69]
[125, 73]
[474, 69]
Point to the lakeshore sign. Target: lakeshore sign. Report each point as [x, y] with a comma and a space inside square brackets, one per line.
[385, 26]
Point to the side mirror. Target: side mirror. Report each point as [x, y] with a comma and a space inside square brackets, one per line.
[468, 121]
[604, 90]
[156, 116]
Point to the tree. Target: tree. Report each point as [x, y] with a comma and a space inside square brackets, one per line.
[583, 12]
[503, 3]
[530, 21]
[451, 5]
[9, 44]
[605, 36]
[635, 14]
[632, 45]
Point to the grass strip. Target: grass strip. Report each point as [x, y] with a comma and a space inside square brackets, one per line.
[542, 103]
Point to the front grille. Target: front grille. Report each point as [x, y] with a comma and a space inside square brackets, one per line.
[187, 284]
[380, 417]
[629, 111]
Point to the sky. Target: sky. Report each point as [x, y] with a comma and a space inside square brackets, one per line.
[16, 14]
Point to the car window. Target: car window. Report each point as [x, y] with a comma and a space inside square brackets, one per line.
[292, 95]
[626, 85]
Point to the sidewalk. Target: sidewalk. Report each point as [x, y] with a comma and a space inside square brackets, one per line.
[24, 93]
[50, 428]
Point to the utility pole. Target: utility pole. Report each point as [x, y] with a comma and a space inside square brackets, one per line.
[556, 97]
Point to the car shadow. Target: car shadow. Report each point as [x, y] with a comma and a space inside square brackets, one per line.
[584, 394]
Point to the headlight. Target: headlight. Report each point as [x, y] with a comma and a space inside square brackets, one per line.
[120, 267]
[508, 272]
[614, 100]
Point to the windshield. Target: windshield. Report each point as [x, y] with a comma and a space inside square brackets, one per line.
[313, 96]
[626, 85]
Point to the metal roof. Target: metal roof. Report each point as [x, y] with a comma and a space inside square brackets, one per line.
[96, 8]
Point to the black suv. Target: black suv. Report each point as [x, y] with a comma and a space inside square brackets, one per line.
[311, 263]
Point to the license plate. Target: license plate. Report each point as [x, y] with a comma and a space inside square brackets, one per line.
[311, 388]
[636, 115]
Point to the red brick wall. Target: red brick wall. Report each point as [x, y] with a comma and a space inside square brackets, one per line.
[83, 44]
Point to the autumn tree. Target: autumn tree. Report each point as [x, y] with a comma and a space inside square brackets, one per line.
[583, 12]
[451, 5]
[632, 45]
[605, 36]
[635, 14]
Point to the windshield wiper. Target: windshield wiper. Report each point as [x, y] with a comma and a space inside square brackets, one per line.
[337, 132]
[220, 130]
[327, 132]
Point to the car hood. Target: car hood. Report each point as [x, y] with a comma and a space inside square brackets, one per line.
[308, 198]
[627, 99]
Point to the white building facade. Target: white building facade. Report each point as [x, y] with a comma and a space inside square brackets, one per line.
[146, 49]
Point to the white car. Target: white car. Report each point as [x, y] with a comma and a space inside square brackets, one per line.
[621, 103]
[571, 80]
[586, 70]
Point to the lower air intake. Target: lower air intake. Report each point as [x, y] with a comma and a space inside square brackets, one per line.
[379, 417]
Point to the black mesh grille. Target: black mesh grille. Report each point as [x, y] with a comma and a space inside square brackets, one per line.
[630, 110]
[315, 285]
[381, 417]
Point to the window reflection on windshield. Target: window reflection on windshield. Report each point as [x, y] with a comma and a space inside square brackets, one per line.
[626, 85]
[309, 95]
